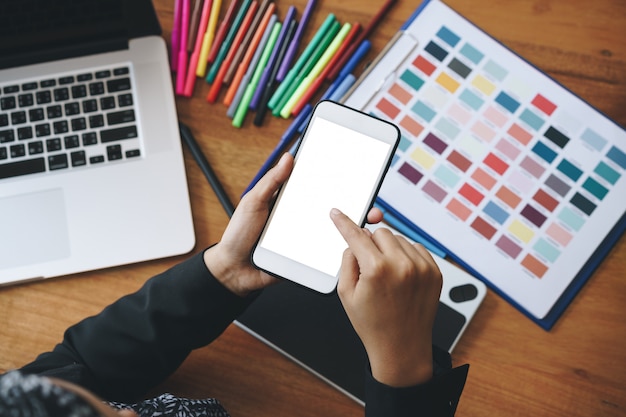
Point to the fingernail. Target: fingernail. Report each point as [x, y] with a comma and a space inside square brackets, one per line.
[334, 212]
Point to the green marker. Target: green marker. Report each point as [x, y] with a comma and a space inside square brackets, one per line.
[230, 36]
[318, 66]
[284, 85]
[308, 66]
[244, 104]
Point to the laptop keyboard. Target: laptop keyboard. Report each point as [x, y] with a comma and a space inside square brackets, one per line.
[67, 122]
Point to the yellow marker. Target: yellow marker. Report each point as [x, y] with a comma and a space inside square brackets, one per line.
[208, 38]
[317, 69]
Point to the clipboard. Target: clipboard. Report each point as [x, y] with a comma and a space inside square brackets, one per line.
[501, 168]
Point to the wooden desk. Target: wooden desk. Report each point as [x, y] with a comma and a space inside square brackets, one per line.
[517, 369]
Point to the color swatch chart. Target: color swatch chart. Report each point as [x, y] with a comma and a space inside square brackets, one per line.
[512, 174]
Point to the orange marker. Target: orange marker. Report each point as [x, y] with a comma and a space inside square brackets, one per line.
[219, 78]
[245, 62]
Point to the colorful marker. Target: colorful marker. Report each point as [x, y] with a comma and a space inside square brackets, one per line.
[268, 89]
[315, 86]
[195, 55]
[242, 110]
[230, 37]
[274, 60]
[207, 39]
[182, 51]
[295, 42]
[219, 78]
[221, 32]
[295, 70]
[245, 62]
[321, 63]
[308, 66]
[251, 68]
[243, 46]
[364, 34]
[178, 12]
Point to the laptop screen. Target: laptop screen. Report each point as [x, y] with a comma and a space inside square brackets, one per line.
[42, 30]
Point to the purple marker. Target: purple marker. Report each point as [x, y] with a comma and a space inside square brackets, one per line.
[291, 52]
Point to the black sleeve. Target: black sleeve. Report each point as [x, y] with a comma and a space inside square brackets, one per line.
[139, 340]
[437, 398]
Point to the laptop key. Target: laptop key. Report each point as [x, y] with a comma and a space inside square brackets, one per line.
[58, 161]
[36, 115]
[78, 158]
[4, 120]
[24, 133]
[7, 136]
[118, 117]
[7, 103]
[42, 129]
[29, 166]
[3, 153]
[114, 152]
[54, 111]
[18, 117]
[18, 150]
[121, 133]
[118, 84]
[66, 80]
[61, 94]
[26, 100]
[96, 159]
[35, 147]
[53, 144]
[43, 97]
[79, 91]
[10, 89]
[96, 88]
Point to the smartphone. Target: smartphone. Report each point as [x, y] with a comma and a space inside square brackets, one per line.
[340, 163]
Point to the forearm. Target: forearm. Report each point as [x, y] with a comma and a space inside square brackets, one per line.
[142, 338]
[437, 398]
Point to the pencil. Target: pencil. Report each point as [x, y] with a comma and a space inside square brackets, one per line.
[204, 165]
[207, 39]
[219, 78]
[243, 65]
[319, 66]
[364, 34]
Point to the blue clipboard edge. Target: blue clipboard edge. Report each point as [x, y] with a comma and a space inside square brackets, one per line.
[568, 294]
[585, 272]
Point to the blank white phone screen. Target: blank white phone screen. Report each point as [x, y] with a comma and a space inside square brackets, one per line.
[336, 168]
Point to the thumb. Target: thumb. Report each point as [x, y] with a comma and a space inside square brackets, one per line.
[348, 275]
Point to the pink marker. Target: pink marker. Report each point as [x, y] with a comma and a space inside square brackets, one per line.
[195, 56]
[182, 52]
[176, 35]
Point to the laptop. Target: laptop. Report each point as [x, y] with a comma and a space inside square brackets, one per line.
[91, 167]
[314, 331]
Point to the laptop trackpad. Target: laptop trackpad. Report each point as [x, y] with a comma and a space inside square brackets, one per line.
[33, 229]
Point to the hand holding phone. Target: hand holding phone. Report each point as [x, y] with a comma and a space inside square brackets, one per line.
[340, 163]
